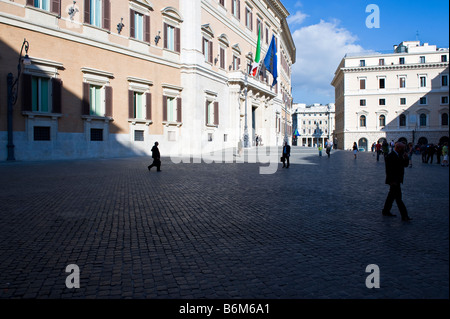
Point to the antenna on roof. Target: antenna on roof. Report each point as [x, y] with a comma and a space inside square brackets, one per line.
[417, 36]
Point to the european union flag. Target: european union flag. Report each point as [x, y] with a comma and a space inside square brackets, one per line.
[270, 61]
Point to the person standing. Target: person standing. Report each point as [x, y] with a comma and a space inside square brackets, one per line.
[396, 161]
[355, 149]
[410, 151]
[320, 149]
[156, 158]
[286, 154]
[329, 146]
[445, 154]
[378, 150]
[438, 150]
[385, 148]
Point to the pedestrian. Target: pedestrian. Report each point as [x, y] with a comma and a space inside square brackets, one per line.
[260, 141]
[396, 161]
[286, 154]
[430, 153]
[445, 154]
[392, 145]
[257, 140]
[156, 158]
[410, 151]
[373, 147]
[355, 149]
[423, 151]
[378, 150]
[328, 150]
[438, 151]
[385, 148]
[320, 149]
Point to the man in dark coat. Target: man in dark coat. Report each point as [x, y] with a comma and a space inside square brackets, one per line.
[156, 158]
[286, 154]
[396, 161]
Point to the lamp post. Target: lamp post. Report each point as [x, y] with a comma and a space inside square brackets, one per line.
[12, 85]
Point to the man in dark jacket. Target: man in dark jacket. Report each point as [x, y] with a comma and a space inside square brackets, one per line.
[396, 161]
[156, 158]
[286, 154]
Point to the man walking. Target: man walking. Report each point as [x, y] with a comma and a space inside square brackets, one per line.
[396, 161]
[286, 154]
[156, 158]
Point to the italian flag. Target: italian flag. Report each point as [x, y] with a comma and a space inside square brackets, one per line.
[255, 65]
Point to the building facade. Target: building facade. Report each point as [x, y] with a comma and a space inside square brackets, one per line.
[109, 78]
[314, 124]
[403, 94]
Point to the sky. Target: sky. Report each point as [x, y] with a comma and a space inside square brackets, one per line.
[325, 31]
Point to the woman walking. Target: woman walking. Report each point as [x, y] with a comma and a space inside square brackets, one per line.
[355, 149]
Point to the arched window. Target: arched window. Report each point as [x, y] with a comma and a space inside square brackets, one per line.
[423, 119]
[362, 143]
[362, 121]
[402, 120]
[382, 120]
[444, 119]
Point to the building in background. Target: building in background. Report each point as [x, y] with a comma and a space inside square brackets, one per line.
[109, 78]
[403, 94]
[314, 124]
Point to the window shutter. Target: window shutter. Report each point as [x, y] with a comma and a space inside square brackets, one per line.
[132, 35]
[203, 45]
[146, 28]
[251, 21]
[177, 40]
[30, 3]
[239, 9]
[179, 111]
[216, 113]
[165, 35]
[56, 7]
[149, 106]
[232, 7]
[56, 95]
[87, 11]
[164, 108]
[107, 15]
[210, 58]
[85, 104]
[108, 101]
[206, 113]
[26, 92]
[130, 104]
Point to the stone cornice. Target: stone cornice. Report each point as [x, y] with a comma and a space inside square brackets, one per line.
[375, 68]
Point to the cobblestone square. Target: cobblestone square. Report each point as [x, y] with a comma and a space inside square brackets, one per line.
[221, 230]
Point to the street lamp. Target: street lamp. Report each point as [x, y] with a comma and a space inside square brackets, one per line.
[12, 96]
[246, 137]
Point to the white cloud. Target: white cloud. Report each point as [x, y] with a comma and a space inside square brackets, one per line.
[297, 18]
[320, 48]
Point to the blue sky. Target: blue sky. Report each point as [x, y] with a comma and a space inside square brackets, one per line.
[324, 31]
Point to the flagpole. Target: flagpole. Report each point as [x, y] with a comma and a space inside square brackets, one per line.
[246, 137]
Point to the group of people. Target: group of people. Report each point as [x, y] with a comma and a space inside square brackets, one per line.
[428, 151]
[258, 140]
[328, 147]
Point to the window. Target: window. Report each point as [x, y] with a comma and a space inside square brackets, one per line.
[443, 58]
[444, 119]
[139, 135]
[138, 26]
[362, 84]
[212, 113]
[444, 80]
[381, 62]
[138, 109]
[422, 59]
[362, 62]
[236, 8]
[96, 134]
[207, 50]
[41, 133]
[423, 119]
[382, 83]
[40, 94]
[172, 110]
[222, 58]
[444, 99]
[236, 63]
[267, 35]
[362, 121]
[98, 13]
[42, 4]
[423, 100]
[170, 37]
[382, 120]
[382, 102]
[423, 81]
[248, 18]
[222, 2]
[96, 100]
[402, 120]
[401, 60]
[402, 101]
[171, 136]
[402, 82]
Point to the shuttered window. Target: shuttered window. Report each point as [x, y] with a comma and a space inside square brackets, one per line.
[98, 13]
[97, 100]
[172, 109]
[172, 38]
[212, 113]
[41, 94]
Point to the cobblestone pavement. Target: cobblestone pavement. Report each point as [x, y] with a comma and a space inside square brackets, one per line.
[221, 230]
